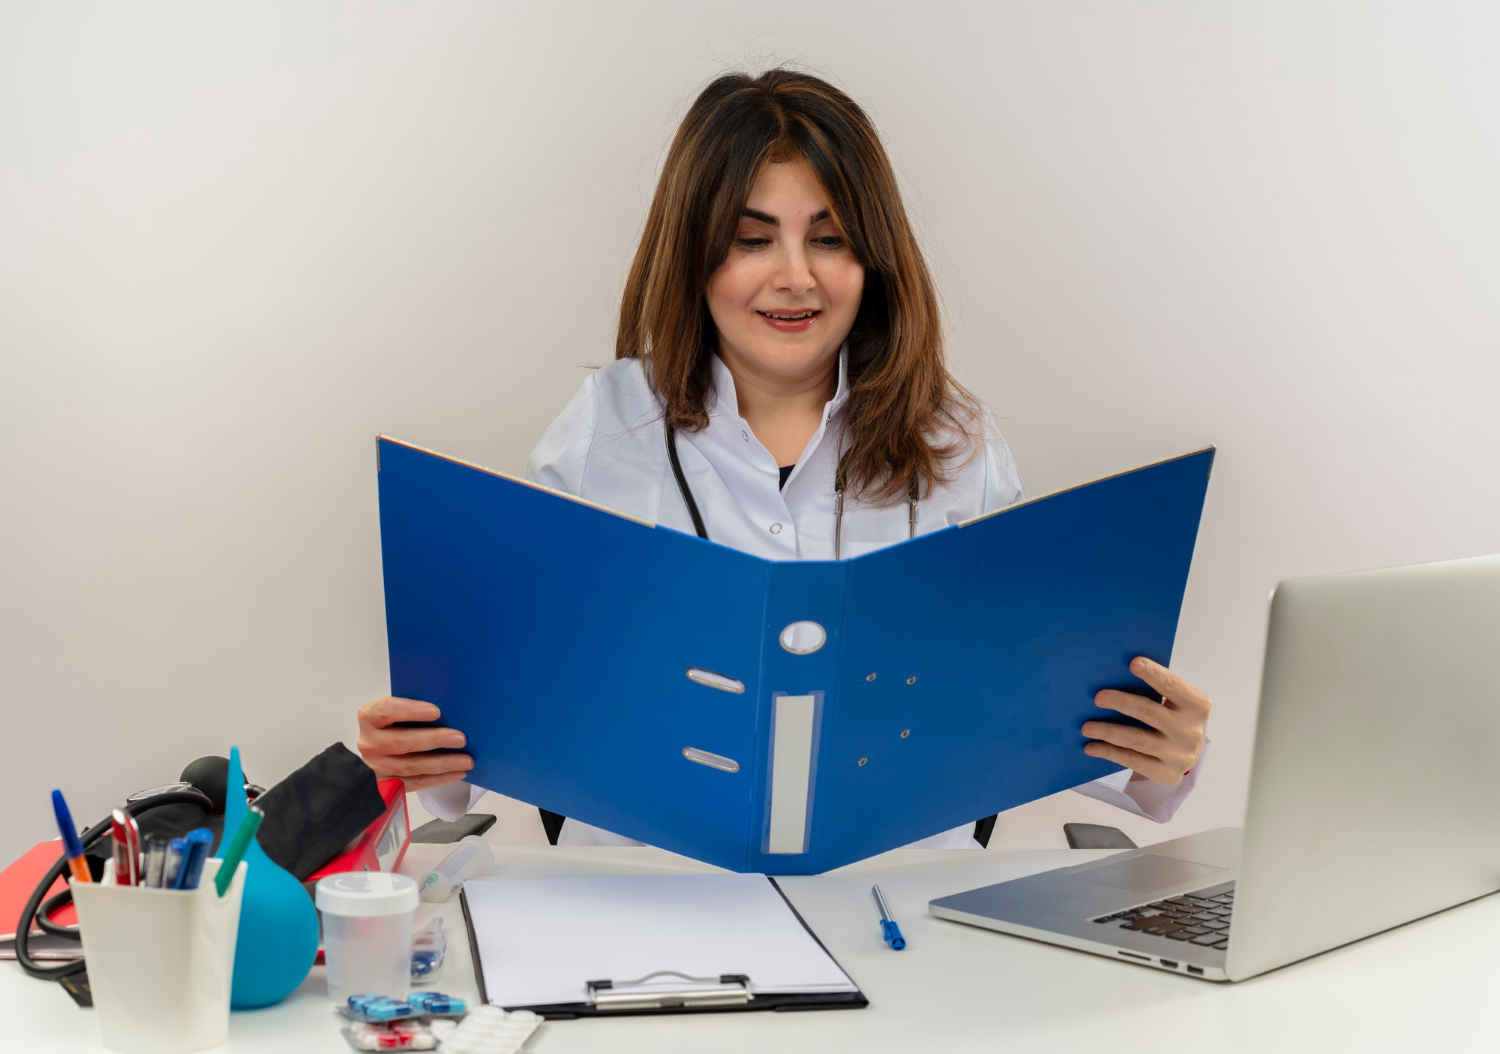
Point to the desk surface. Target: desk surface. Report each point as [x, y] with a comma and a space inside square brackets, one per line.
[955, 988]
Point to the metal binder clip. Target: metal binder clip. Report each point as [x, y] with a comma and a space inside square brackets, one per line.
[607, 995]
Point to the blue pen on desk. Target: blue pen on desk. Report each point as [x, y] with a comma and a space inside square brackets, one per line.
[888, 927]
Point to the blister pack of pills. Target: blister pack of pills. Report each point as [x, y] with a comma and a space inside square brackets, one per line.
[491, 1030]
[389, 1035]
[387, 1008]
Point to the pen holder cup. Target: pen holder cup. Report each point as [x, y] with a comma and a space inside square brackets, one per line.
[160, 961]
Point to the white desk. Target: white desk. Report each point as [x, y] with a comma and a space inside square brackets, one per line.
[1426, 986]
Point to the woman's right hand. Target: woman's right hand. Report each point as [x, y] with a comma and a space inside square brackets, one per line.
[409, 752]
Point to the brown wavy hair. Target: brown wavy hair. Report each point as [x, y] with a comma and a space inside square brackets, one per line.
[906, 414]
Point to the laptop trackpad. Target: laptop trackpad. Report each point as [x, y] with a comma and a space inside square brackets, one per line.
[1143, 874]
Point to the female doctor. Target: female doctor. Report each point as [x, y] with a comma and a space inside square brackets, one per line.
[780, 386]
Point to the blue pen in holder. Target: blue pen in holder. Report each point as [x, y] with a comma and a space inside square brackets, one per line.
[278, 934]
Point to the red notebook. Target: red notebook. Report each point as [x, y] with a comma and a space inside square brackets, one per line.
[16, 884]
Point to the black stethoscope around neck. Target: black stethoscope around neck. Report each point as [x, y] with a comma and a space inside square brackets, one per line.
[838, 499]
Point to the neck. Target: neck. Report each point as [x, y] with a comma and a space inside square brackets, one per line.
[783, 412]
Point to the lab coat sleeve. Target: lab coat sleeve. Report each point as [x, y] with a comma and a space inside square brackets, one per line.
[1154, 801]
[1002, 480]
[559, 458]
[451, 800]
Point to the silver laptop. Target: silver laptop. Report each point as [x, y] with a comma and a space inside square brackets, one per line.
[1374, 792]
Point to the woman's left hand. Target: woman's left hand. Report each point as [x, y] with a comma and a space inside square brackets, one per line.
[1167, 750]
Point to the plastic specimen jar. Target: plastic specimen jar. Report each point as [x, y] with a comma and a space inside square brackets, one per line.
[367, 920]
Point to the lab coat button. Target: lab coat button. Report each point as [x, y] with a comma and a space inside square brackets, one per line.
[744, 435]
[775, 528]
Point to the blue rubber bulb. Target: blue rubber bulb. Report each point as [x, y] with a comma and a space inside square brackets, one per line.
[278, 936]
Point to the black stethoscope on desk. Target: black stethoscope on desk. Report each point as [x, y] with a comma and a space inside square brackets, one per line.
[838, 500]
[39, 907]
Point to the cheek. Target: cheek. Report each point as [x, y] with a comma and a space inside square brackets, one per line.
[731, 287]
[845, 285]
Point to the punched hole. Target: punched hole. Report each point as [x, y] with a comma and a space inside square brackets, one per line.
[863, 760]
[803, 637]
[911, 680]
[905, 732]
[870, 677]
[722, 681]
[713, 761]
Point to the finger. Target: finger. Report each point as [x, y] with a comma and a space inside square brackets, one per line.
[378, 741]
[1141, 741]
[1151, 768]
[405, 765]
[1172, 687]
[416, 783]
[1139, 707]
[382, 713]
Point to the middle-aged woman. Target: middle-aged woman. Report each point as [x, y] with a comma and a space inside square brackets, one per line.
[779, 386]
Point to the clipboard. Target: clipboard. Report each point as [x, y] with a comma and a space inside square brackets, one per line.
[612, 997]
[779, 717]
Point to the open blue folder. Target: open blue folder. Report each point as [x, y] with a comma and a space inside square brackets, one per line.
[784, 717]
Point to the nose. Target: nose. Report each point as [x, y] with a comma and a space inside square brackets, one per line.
[793, 271]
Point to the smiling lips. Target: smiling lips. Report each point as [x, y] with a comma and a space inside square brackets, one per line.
[790, 321]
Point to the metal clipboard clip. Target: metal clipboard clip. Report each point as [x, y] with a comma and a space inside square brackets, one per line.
[730, 989]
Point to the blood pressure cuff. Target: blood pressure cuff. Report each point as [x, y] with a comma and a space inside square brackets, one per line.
[313, 814]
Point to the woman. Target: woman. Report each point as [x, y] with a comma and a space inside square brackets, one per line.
[779, 386]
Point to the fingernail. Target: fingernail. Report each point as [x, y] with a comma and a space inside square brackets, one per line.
[1138, 664]
[1090, 748]
[433, 713]
[466, 763]
[1088, 728]
[457, 739]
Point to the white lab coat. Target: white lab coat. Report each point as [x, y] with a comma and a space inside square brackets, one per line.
[608, 446]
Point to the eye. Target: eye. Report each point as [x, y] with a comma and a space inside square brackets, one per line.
[829, 241]
[753, 242]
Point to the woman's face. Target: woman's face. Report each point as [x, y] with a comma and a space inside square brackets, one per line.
[786, 297]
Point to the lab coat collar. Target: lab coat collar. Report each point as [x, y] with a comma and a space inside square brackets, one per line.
[724, 401]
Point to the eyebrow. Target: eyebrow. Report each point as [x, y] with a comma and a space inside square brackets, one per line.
[766, 217]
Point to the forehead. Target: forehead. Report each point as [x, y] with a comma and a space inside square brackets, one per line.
[787, 189]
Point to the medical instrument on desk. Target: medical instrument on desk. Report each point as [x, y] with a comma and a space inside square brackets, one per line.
[333, 798]
[838, 501]
[888, 927]
[469, 856]
[40, 906]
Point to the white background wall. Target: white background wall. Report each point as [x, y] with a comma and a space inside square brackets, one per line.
[236, 241]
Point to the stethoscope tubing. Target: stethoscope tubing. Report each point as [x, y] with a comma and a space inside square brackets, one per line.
[838, 499]
[36, 910]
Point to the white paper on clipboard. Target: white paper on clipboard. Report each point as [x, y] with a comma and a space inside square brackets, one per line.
[540, 940]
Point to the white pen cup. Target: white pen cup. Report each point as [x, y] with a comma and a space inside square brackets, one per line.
[160, 961]
[367, 924]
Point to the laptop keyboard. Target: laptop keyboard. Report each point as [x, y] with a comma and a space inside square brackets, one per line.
[1196, 918]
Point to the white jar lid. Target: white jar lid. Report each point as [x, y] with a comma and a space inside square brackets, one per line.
[365, 893]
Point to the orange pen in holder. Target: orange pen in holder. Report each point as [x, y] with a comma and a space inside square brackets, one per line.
[72, 847]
